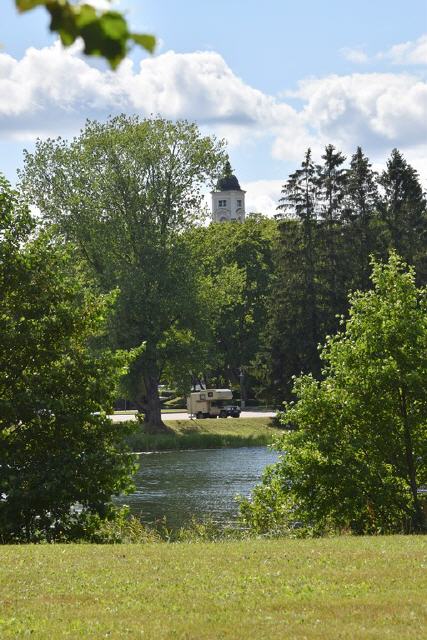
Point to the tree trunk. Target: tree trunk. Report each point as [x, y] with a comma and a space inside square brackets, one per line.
[243, 390]
[153, 422]
[143, 387]
[417, 516]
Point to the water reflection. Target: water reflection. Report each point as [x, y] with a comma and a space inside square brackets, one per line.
[180, 484]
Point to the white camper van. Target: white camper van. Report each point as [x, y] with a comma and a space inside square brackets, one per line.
[208, 403]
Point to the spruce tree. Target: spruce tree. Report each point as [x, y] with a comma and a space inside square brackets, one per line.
[292, 334]
[331, 182]
[299, 200]
[403, 208]
[360, 203]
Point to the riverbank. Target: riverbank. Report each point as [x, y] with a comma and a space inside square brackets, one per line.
[348, 588]
[207, 434]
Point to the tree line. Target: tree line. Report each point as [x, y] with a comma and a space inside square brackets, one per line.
[331, 219]
[219, 303]
[119, 285]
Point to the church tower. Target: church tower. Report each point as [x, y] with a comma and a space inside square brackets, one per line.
[228, 201]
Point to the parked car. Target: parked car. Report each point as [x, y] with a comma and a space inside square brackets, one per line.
[231, 410]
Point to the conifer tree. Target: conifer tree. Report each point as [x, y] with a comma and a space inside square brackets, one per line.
[360, 204]
[293, 332]
[331, 180]
[403, 208]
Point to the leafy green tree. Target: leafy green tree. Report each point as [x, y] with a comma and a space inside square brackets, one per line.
[104, 33]
[358, 455]
[58, 448]
[125, 192]
[236, 266]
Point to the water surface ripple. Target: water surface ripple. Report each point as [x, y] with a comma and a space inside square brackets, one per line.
[203, 483]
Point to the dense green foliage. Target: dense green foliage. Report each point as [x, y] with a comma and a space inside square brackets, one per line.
[57, 446]
[125, 192]
[235, 261]
[359, 452]
[104, 33]
[331, 220]
[239, 305]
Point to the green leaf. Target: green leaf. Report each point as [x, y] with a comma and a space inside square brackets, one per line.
[105, 34]
[85, 15]
[144, 40]
[114, 25]
[67, 38]
[27, 5]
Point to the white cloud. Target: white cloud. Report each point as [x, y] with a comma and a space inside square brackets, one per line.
[377, 110]
[262, 196]
[411, 52]
[356, 55]
[52, 91]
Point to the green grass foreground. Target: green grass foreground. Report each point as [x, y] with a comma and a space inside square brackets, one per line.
[347, 588]
[209, 433]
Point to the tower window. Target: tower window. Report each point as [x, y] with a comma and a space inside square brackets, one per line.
[222, 203]
[239, 203]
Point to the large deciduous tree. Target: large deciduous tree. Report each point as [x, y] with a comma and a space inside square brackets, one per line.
[125, 191]
[61, 458]
[359, 454]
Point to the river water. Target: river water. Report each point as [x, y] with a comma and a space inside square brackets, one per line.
[201, 483]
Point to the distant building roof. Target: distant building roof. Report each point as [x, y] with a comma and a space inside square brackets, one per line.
[228, 182]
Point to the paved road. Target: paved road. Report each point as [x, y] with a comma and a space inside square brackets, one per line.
[184, 416]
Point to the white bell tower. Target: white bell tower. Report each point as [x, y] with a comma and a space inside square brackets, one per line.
[228, 201]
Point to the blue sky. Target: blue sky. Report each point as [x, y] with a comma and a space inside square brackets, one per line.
[272, 77]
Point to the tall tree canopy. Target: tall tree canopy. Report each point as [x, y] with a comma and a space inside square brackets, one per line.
[359, 452]
[57, 445]
[124, 192]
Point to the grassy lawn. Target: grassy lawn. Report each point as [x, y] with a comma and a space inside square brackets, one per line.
[207, 434]
[346, 588]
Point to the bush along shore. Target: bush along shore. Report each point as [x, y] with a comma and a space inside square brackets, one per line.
[206, 434]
